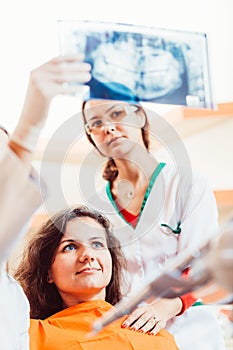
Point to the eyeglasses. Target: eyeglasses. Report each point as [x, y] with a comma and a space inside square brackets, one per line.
[117, 114]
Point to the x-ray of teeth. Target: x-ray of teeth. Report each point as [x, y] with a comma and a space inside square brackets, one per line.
[137, 63]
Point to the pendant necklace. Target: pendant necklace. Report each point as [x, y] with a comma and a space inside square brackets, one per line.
[125, 189]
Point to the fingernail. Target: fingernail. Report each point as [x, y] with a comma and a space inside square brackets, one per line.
[140, 331]
[124, 325]
[132, 328]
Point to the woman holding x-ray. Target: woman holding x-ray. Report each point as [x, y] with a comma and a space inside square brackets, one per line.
[157, 210]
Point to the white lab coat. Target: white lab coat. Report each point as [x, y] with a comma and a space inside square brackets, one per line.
[175, 196]
[19, 198]
[15, 315]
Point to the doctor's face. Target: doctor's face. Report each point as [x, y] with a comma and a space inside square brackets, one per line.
[82, 265]
[114, 126]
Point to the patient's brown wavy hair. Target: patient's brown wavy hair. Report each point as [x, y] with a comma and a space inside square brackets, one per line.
[32, 272]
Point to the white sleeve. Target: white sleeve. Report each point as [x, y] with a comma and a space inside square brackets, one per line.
[200, 218]
[15, 314]
[20, 197]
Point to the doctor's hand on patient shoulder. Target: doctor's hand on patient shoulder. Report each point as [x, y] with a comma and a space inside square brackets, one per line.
[151, 318]
[45, 82]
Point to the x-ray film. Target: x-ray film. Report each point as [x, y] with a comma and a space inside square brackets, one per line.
[141, 64]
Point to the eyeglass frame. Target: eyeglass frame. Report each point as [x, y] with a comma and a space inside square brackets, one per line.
[86, 125]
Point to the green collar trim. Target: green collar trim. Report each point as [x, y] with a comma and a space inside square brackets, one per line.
[148, 190]
[150, 185]
[109, 194]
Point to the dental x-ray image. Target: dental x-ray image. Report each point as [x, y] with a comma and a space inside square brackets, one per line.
[138, 63]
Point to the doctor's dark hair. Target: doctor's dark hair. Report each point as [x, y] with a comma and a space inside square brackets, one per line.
[110, 171]
[32, 272]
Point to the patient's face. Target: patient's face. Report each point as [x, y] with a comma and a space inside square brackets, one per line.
[82, 266]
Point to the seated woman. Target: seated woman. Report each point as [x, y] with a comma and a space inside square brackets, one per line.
[71, 274]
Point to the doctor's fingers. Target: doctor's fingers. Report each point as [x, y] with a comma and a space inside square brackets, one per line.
[142, 318]
[146, 327]
[157, 328]
[71, 72]
[51, 84]
[70, 67]
[60, 63]
[61, 71]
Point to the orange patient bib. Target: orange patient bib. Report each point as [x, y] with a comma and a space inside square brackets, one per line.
[67, 330]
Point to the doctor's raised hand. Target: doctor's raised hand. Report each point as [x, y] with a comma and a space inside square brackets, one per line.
[45, 82]
[20, 187]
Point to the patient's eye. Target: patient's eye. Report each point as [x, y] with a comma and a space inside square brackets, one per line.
[98, 245]
[69, 247]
